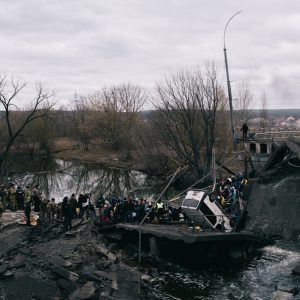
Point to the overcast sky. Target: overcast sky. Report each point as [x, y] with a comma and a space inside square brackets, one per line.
[78, 46]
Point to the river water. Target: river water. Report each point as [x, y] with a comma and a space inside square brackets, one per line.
[58, 178]
[253, 279]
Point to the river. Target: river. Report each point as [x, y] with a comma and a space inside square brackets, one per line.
[57, 178]
[253, 279]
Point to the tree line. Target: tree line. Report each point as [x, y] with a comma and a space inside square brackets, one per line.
[188, 118]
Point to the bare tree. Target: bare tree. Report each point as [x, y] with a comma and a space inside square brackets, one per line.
[13, 127]
[41, 133]
[117, 115]
[187, 105]
[155, 155]
[82, 118]
[110, 115]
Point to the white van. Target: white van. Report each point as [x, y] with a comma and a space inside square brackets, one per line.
[201, 210]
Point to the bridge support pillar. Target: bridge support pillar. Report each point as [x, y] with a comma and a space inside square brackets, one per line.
[258, 148]
[153, 246]
[269, 148]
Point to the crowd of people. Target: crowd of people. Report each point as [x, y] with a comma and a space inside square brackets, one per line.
[128, 209]
[113, 209]
[230, 195]
[109, 209]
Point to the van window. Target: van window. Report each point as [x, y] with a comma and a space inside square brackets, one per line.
[208, 213]
[191, 203]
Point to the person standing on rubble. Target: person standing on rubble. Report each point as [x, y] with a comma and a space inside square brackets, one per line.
[67, 214]
[74, 204]
[1, 207]
[27, 206]
[12, 197]
[245, 129]
[3, 196]
[37, 198]
[51, 209]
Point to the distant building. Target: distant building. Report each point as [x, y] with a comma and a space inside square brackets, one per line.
[290, 122]
[259, 122]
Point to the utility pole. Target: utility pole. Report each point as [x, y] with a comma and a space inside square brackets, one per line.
[229, 87]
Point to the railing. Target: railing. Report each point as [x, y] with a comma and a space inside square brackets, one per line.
[276, 135]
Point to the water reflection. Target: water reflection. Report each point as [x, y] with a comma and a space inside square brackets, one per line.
[58, 178]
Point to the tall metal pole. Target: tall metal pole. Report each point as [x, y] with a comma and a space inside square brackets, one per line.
[229, 86]
[152, 207]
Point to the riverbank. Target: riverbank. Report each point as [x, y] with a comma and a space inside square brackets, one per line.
[67, 149]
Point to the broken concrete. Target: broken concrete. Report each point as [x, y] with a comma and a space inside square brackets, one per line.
[44, 263]
[296, 270]
[66, 285]
[84, 292]
[280, 295]
[64, 273]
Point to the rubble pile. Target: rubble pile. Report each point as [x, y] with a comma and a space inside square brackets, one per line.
[44, 262]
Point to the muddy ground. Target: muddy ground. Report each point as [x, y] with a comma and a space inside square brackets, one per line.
[44, 262]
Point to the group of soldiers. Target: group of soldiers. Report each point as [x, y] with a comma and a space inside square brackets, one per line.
[16, 198]
[67, 210]
[13, 198]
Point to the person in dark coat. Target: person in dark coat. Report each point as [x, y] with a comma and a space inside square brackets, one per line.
[27, 210]
[67, 214]
[74, 204]
[37, 199]
[245, 130]
[20, 198]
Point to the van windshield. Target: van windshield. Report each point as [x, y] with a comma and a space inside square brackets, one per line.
[192, 203]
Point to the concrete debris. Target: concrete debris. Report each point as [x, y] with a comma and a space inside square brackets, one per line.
[288, 289]
[3, 269]
[296, 270]
[104, 251]
[47, 263]
[105, 295]
[146, 278]
[66, 285]
[64, 273]
[8, 275]
[279, 295]
[85, 292]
